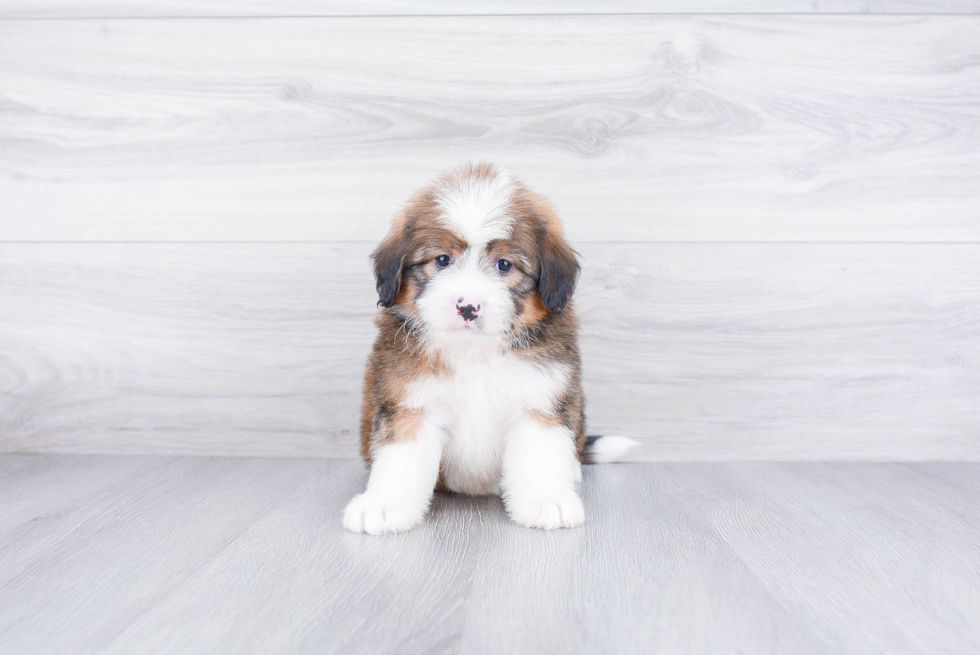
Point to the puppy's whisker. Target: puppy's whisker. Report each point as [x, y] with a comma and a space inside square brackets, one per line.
[395, 338]
[523, 337]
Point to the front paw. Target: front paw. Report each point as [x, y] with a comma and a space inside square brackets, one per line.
[565, 511]
[365, 514]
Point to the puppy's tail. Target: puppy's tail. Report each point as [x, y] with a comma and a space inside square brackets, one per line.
[607, 448]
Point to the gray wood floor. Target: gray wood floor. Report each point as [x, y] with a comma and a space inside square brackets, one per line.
[121, 554]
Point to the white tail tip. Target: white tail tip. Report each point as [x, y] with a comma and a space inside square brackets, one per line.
[609, 448]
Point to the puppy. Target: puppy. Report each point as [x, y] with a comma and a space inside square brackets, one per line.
[474, 383]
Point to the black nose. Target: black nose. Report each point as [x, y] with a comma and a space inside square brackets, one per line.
[469, 312]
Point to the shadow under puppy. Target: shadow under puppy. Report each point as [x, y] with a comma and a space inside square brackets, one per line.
[474, 383]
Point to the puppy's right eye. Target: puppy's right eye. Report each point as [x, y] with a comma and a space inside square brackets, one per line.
[442, 261]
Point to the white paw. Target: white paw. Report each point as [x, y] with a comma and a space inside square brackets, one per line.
[564, 512]
[365, 514]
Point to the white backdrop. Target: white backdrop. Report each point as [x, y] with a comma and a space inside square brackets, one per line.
[778, 213]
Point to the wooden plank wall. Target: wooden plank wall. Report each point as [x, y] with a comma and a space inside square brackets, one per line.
[777, 203]
[265, 8]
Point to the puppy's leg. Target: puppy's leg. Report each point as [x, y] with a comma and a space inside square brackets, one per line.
[403, 477]
[540, 472]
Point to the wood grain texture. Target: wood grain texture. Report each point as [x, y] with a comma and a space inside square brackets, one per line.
[232, 8]
[640, 128]
[701, 351]
[234, 555]
[821, 508]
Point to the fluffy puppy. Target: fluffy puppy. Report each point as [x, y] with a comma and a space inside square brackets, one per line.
[474, 384]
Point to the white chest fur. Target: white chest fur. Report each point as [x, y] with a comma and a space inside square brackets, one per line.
[476, 406]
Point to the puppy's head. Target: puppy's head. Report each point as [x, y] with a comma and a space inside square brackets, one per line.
[475, 257]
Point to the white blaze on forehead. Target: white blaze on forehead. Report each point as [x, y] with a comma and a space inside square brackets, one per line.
[476, 207]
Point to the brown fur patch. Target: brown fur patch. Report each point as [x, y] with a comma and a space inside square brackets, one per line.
[530, 204]
[404, 426]
[532, 310]
[407, 294]
[414, 229]
[547, 420]
[396, 361]
[367, 409]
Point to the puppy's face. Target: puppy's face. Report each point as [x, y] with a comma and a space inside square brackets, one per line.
[475, 258]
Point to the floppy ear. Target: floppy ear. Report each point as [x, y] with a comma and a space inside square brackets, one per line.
[558, 273]
[389, 263]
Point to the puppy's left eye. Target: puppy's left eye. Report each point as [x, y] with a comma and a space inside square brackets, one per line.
[504, 266]
[442, 261]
